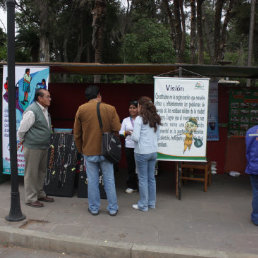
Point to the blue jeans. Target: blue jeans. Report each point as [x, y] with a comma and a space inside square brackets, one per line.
[93, 164]
[145, 165]
[254, 183]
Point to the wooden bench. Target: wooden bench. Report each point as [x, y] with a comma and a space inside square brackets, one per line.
[201, 166]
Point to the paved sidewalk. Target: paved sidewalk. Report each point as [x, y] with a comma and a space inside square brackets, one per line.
[212, 224]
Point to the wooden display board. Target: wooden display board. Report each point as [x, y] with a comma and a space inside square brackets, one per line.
[243, 110]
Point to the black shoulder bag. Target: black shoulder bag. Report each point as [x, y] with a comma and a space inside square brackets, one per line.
[111, 145]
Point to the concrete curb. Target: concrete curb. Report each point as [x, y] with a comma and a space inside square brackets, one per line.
[94, 248]
[60, 243]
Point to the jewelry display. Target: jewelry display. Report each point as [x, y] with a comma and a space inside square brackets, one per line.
[62, 159]
[50, 164]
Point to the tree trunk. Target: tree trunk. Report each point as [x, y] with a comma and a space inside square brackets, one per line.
[182, 45]
[178, 29]
[80, 46]
[199, 32]
[209, 33]
[251, 38]
[65, 49]
[98, 24]
[228, 16]
[251, 33]
[43, 31]
[217, 29]
[171, 22]
[193, 32]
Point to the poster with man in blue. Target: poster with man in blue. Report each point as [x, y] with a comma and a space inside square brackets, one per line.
[28, 80]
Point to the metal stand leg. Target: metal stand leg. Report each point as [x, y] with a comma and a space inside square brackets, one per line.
[178, 180]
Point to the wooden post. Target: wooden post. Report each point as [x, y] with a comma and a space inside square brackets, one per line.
[178, 180]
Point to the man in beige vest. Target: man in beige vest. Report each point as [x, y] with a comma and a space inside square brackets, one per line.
[88, 137]
[34, 133]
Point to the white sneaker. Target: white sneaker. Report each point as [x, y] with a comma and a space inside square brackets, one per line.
[130, 190]
[135, 206]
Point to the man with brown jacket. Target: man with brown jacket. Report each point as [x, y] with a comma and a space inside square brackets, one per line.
[88, 137]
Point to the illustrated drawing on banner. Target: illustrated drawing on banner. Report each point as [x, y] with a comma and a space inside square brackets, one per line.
[27, 81]
[182, 104]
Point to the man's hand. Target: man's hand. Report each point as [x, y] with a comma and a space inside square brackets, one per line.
[19, 145]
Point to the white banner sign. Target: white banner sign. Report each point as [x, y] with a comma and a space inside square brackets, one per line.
[182, 104]
[27, 81]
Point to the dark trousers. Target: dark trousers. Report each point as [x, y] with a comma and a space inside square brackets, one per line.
[132, 181]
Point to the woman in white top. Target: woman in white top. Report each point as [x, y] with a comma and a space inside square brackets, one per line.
[126, 130]
[145, 136]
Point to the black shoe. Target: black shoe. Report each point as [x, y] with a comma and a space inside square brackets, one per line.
[113, 214]
[93, 213]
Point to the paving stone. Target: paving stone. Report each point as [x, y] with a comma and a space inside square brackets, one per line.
[210, 222]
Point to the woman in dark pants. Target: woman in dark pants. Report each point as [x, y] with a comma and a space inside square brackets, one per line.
[126, 131]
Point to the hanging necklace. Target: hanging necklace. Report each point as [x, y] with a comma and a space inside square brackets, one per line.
[50, 164]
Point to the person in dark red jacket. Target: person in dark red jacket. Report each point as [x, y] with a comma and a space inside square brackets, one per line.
[252, 167]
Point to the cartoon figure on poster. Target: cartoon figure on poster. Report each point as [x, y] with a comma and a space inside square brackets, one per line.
[190, 127]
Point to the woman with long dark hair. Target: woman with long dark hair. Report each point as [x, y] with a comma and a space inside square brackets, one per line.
[145, 136]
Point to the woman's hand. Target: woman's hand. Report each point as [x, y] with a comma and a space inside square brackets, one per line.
[128, 133]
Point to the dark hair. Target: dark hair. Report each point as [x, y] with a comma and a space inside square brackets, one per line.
[92, 92]
[149, 113]
[43, 80]
[39, 93]
[133, 102]
[27, 70]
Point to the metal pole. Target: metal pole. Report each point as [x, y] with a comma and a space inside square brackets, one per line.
[179, 180]
[15, 213]
[180, 73]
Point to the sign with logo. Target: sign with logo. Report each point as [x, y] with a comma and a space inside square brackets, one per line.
[182, 104]
[27, 80]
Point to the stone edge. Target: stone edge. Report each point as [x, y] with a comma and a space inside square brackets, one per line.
[95, 248]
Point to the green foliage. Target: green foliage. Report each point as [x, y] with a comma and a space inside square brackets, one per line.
[3, 46]
[149, 43]
[141, 35]
[238, 35]
[112, 37]
[3, 4]
[27, 43]
[236, 58]
[242, 20]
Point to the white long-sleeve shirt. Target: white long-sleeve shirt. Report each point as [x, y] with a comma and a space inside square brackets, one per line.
[28, 119]
[127, 125]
